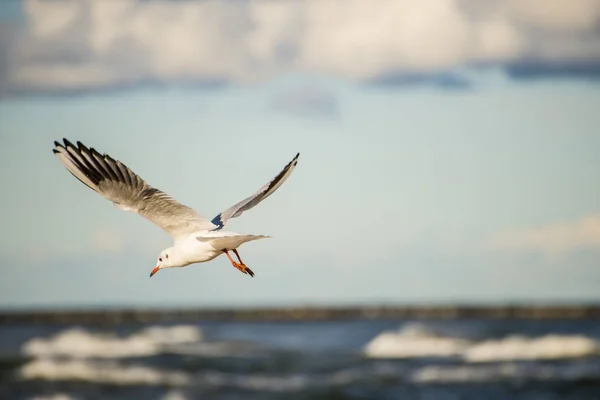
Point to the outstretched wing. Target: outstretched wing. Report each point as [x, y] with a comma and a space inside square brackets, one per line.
[235, 211]
[119, 184]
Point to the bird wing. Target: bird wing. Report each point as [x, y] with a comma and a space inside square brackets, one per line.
[119, 184]
[236, 210]
[229, 242]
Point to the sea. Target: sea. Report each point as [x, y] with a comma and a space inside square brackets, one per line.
[473, 358]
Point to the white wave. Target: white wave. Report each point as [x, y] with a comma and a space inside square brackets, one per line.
[57, 396]
[454, 374]
[174, 395]
[416, 341]
[540, 348]
[107, 372]
[79, 343]
[110, 372]
[504, 371]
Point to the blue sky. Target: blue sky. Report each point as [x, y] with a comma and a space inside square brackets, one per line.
[407, 190]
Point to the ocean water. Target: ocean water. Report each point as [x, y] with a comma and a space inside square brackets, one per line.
[441, 359]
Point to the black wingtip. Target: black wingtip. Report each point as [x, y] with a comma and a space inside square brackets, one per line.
[68, 143]
[57, 145]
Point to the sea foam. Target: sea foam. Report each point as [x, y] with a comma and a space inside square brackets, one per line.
[416, 341]
[80, 343]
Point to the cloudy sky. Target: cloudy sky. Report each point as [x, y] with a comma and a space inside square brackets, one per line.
[449, 148]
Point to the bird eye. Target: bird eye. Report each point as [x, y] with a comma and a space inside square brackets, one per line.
[160, 259]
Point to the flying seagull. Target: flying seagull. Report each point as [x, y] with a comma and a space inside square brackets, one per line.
[196, 239]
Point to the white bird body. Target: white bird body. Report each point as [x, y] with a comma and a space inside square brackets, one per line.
[203, 246]
[196, 239]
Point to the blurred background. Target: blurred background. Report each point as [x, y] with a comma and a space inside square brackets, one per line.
[449, 159]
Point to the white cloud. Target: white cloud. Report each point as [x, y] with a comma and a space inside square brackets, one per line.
[553, 240]
[498, 40]
[49, 18]
[363, 40]
[565, 15]
[90, 43]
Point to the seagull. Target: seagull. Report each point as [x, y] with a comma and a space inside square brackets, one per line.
[196, 239]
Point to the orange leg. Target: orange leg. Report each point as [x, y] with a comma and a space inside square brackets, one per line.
[239, 265]
[238, 256]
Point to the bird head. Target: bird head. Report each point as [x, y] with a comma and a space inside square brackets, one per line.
[163, 261]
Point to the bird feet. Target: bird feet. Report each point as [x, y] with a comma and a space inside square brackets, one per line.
[239, 265]
[244, 269]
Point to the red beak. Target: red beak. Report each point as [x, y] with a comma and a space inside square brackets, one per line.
[155, 270]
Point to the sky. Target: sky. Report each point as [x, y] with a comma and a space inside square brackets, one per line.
[449, 149]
